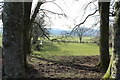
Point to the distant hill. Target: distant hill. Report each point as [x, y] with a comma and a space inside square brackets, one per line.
[55, 31]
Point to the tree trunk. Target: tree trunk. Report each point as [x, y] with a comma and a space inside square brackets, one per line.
[104, 34]
[13, 57]
[27, 47]
[28, 25]
[80, 36]
[116, 48]
[114, 67]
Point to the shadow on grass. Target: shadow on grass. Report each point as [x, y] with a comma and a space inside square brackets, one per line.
[49, 46]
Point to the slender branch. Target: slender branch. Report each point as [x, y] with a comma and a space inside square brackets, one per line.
[35, 12]
[86, 6]
[92, 2]
[53, 12]
[94, 32]
[83, 21]
[92, 26]
[56, 5]
[46, 16]
[42, 30]
[55, 39]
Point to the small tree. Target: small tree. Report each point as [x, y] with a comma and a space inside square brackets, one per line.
[80, 31]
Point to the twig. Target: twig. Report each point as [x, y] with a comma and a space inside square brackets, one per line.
[83, 21]
[56, 5]
[55, 39]
[53, 12]
[35, 12]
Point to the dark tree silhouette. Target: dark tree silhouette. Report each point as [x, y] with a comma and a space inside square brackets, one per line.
[13, 57]
[104, 34]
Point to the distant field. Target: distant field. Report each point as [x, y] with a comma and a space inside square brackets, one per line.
[68, 49]
[75, 38]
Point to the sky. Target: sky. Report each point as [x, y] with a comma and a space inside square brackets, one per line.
[74, 10]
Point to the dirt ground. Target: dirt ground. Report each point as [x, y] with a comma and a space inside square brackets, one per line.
[65, 68]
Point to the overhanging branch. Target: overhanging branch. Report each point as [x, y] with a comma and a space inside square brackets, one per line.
[53, 12]
[35, 12]
[83, 21]
[55, 39]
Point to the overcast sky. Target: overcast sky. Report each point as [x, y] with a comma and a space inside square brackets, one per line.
[74, 9]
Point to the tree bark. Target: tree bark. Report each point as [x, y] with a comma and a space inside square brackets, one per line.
[27, 47]
[116, 48]
[113, 71]
[80, 37]
[13, 57]
[28, 25]
[104, 34]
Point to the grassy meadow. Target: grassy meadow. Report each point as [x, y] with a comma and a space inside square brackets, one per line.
[75, 38]
[69, 49]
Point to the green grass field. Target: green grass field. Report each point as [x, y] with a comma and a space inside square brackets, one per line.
[68, 49]
[75, 38]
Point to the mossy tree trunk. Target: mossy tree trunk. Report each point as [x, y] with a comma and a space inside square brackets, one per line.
[113, 71]
[104, 34]
[13, 57]
[28, 26]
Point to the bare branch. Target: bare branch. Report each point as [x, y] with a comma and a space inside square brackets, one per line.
[92, 26]
[86, 6]
[83, 21]
[56, 5]
[36, 11]
[55, 39]
[42, 31]
[46, 16]
[94, 31]
[92, 2]
[53, 12]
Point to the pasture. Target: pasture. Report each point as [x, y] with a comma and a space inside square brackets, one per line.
[68, 49]
[67, 61]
